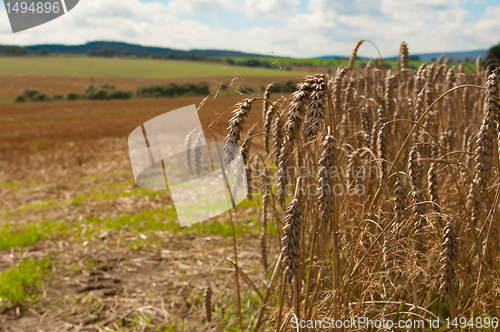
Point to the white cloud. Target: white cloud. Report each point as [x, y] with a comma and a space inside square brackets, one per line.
[326, 28]
[270, 8]
[344, 7]
[199, 6]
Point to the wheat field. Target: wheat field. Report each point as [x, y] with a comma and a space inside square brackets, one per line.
[378, 193]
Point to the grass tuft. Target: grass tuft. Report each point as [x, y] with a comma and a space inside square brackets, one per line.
[21, 283]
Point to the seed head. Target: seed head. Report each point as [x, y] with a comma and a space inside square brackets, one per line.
[290, 242]
[449, 258]
[326, 179]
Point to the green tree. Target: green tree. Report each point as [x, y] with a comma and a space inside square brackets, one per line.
[43, 51]
[494, 54]
[15, 50]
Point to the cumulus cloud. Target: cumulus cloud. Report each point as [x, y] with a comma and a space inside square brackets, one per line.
[322, 29]
[270, 8]
[199, 6]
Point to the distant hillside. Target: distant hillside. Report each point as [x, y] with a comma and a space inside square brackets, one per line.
[131, 49]
[112, 49]
[460, 56]
[331, 57]
[472, 55]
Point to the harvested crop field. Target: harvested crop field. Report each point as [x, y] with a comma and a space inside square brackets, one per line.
[116, 254]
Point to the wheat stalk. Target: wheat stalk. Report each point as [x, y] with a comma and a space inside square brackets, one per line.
[266, 202]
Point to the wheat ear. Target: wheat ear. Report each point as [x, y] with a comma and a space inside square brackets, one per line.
[449, 257]
[248, 172]
[417, 199]
[316, 108]
[366, 123]
[326, 179]
[207, 295]
[405, 58]
[352, 58]
[236, 126]
[188, 150]
[485, 138]
[268, 122]
[296, 111]
[277, 139]
[290, 242]
[389, 104]
[337, 90]
[197, 154]
[393, 247]
[265, 103]
[282, 174]
[382, 153]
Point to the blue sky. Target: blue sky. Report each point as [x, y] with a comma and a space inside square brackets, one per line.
[299, 28]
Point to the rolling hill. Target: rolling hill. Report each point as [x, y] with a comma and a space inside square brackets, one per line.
[132, 49]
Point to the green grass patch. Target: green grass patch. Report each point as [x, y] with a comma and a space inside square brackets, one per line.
[162, 219]
[22, 282]
[166, 220]
[83, 66]
[99, 193]
[14, 237]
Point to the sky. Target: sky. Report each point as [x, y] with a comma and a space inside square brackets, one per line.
[297, 28]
